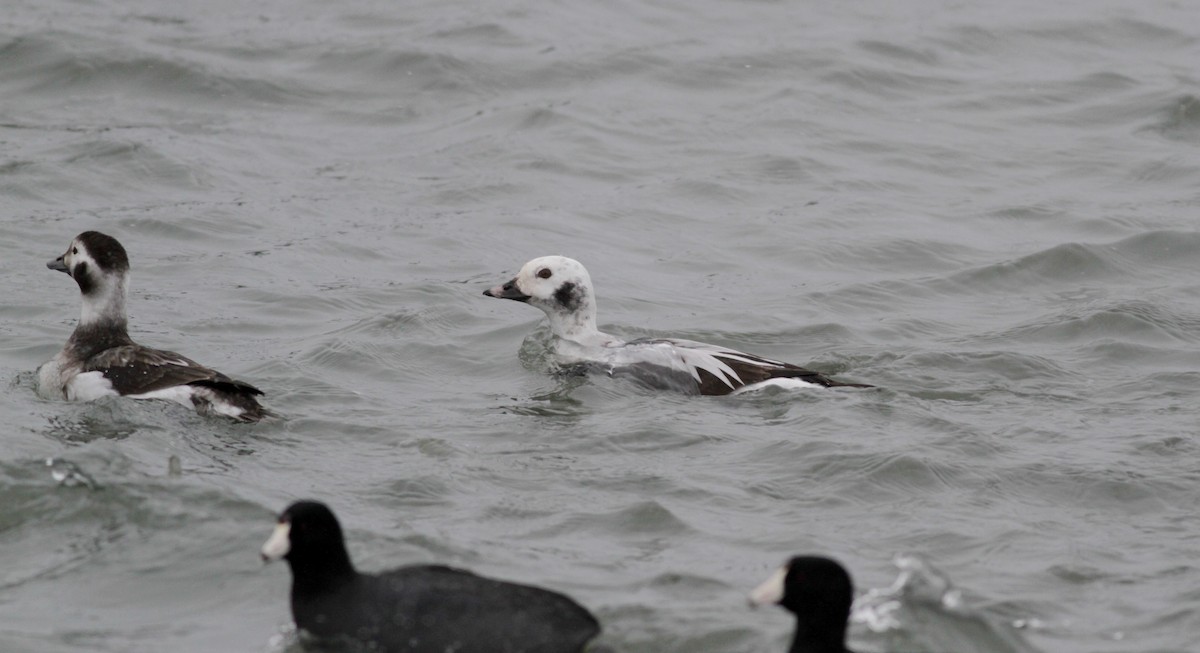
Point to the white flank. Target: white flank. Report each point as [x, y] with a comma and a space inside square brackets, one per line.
[211, 402]
[180, 394]
[784, 383]
[50, 385]
[89, 386]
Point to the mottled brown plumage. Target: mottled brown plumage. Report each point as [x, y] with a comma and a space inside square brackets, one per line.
[101, 359]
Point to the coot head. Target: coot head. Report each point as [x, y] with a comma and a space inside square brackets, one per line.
[819, 592]
[309, 537]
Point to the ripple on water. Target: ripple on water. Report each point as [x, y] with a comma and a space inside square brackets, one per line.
[1074, 266]
[1137, 321]
[1067, 263]
[1160, 248]
[101, 166]
[408, 71]
[892, 475]
[423, 490]
[902, 617]
[641, 519]
[1180, 120]
[1012, 366]
[61, 65]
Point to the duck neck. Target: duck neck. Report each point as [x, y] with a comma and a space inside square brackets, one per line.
[575, 321]
[104, 306]
[577, 327]
[102, 325]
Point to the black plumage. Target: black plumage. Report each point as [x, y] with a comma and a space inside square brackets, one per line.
[818, 590]
[418, 609]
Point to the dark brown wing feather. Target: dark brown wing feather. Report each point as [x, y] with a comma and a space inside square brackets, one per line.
[751, 373]
[133, 369]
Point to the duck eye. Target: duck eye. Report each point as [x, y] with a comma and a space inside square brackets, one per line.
[544, 273]
[74, 250]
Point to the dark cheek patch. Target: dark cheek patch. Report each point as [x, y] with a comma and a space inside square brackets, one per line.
[568, 296]
[81, 276]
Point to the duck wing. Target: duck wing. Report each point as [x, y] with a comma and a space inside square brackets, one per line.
[720, 370]
[134, 369]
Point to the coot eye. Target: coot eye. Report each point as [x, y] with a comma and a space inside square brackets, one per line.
[544, 273]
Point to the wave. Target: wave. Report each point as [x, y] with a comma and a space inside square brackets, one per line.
[63, 65]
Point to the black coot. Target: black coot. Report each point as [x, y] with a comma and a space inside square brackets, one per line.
[819, 592]
[418, 609]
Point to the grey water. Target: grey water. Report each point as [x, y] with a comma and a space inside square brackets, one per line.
[989, 210]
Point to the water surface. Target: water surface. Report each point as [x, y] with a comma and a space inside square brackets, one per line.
[987, 211]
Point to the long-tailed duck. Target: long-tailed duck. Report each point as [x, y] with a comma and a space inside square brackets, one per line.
[819, 592]
[416, 609]
[101, 360]
[561, 287]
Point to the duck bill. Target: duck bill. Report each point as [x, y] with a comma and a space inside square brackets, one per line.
[57, 264]
[508, 291]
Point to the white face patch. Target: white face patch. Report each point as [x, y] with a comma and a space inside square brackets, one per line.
[279, 543]
[542, 277]
[771, 591]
